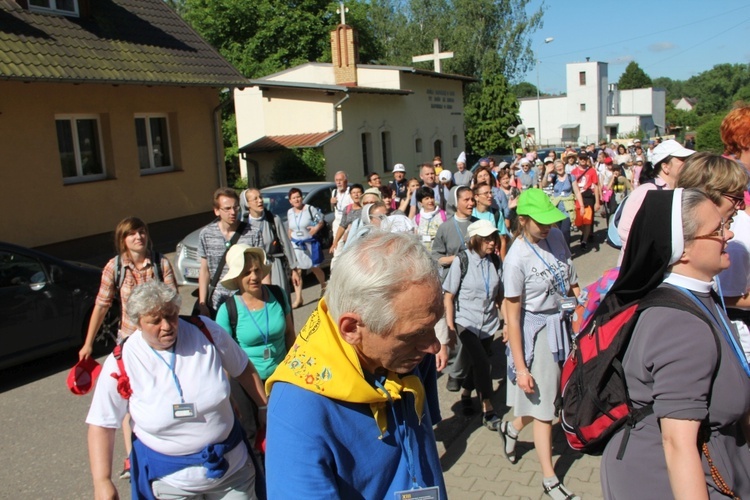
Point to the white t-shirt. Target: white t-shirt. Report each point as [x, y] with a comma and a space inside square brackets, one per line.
[526, 275]
[735, 281]
[199, 367]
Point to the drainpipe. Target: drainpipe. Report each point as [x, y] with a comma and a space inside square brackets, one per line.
[335, 115]
[218, 139]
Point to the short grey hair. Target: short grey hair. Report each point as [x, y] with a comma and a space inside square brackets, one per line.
[151, 297]
[692, 198]
[373, 271]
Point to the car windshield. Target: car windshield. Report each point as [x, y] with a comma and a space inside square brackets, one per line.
[278, 203]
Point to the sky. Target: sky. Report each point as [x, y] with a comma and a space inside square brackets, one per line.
[676, 39]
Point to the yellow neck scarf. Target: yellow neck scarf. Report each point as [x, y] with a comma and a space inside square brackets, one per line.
[322, 362]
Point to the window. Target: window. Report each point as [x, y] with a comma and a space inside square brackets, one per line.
[418, 145]
[455, 141]
[80, 147]
[385, 144]
[582, 78]
[366, 152]
[583, 106]
[20, 270]
[438, 148]
[68, 7]
[154, 148]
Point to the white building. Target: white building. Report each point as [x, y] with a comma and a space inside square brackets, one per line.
[364, 118]
[592, 109]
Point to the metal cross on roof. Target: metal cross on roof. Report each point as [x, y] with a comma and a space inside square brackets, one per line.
[342, 10]
[436, 56]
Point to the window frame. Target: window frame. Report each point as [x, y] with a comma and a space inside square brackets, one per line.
[152, 169]
[80, 177]
[76, 12]
[582, 78]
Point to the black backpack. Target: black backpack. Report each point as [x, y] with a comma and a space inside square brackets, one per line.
[594, 402]
[275, 290]
[324, 234]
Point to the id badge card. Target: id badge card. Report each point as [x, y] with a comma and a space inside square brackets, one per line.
[299, 234]
[183, 410]
[426, 238]
[432, 493]
[568, 305]
[267, 353]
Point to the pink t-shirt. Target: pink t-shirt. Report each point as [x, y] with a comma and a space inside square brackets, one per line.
[631, 208]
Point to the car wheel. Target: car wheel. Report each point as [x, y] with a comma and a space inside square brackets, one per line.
[106, 337]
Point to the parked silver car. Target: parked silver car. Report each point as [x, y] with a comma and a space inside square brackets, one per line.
[317, 194]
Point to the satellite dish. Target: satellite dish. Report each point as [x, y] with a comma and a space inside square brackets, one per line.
[511, 131]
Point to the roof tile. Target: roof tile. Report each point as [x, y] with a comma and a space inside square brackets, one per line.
[124, 41]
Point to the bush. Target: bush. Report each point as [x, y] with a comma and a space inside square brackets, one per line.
[299, 165]
[240, 183]
[708, 136]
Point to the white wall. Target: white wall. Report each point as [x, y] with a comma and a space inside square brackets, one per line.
[434, 112]
[637, 108]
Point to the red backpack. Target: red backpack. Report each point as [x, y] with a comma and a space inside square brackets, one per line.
[594, 402]
[123, 381]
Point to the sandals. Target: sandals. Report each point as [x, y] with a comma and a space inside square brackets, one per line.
[509, 442]
[491, 421]
[558, 491]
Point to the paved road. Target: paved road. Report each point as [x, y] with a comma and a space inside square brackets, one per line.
[43, 440]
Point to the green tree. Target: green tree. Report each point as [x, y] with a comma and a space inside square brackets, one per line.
[524, 89]
[716, 88]
[674, 88]
[489, 112]
[708, 135]
[634, 78]
[299, 165]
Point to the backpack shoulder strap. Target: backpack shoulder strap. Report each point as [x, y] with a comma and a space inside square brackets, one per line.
[443, 215]
[156, 261]
[278, 294]
[196, 321]
[463, 259]
[496, 214]
[418, 217]
[123, 381]
[495, 261]
[231, 306]
[119, 274]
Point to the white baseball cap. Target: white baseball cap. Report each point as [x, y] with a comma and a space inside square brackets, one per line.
[445, 176]
[399, 167]
[670, 147]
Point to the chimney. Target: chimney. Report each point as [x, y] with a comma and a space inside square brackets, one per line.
[345, 55]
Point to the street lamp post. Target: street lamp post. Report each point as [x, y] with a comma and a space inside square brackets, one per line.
[539, 102]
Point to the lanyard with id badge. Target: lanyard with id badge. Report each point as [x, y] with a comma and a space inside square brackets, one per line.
[299, 233]
[181, 410]
[264, 335]
[566, 305]
[417, 491]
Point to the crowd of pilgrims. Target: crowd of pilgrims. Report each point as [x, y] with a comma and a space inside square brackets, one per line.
[501, 237]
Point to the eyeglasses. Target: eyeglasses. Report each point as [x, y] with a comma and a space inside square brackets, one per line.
[738, 202]
[485, 193]
[437, 164]
[717, 233]
[226, 210]
[376, 178]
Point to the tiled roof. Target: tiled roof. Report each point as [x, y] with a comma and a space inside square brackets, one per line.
[122, 41]
[278, 142]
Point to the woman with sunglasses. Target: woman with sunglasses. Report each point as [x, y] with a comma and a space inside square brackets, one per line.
[541, 286]
[685, 364]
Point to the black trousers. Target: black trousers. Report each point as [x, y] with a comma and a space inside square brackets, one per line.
[477, 352]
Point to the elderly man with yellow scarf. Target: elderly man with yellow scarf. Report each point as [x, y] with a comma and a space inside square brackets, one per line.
[351, 408]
